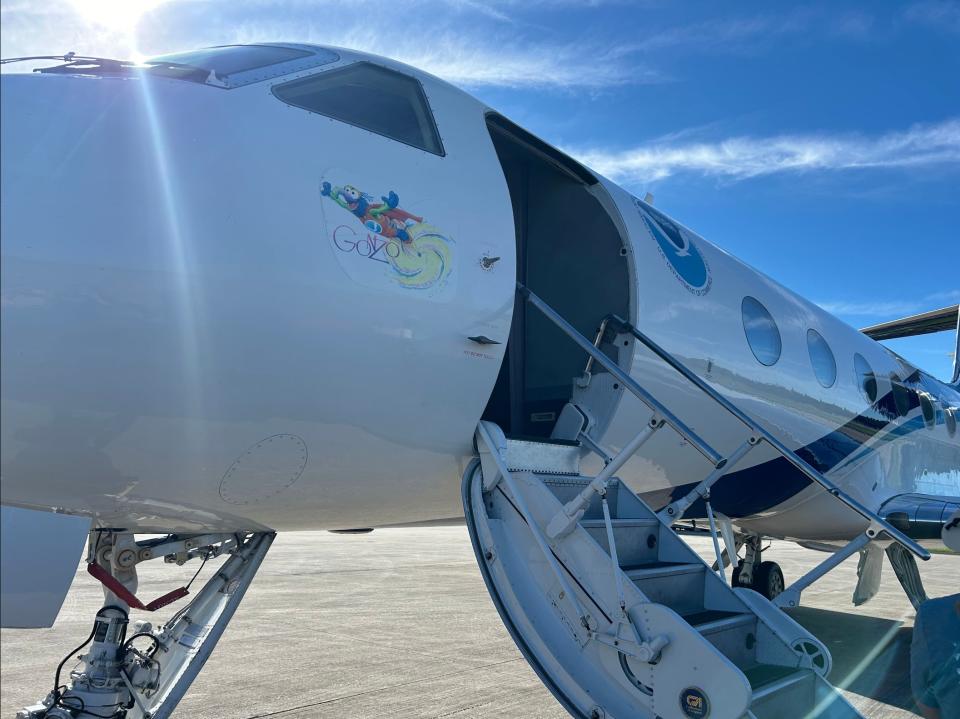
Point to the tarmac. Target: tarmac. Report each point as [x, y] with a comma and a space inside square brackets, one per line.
[398, 624]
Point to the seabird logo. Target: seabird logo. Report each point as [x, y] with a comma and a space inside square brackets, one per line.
[683, 257]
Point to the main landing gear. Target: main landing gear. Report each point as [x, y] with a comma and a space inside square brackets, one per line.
[144, 673]
[766, 578]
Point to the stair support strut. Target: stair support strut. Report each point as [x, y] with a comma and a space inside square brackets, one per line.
[790, 597]
[564, 521]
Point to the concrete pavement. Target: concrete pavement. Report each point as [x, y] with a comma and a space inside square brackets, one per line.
[398, 624]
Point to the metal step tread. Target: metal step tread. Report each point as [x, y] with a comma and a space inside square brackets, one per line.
[601, 524]
[627, 568]
[662, 569]
[578, 480]
[542, 440]
[722, 623]
[543, 457]
[766, 679]
[707, 616]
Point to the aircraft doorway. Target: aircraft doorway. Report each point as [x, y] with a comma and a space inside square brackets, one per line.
[570, 253]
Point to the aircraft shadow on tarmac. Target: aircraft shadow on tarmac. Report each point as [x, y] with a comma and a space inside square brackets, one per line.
[871, 656]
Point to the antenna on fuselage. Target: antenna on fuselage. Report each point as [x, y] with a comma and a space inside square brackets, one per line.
[648, 198]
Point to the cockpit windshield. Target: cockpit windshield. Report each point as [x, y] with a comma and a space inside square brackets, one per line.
[232, 59]
[226, 66]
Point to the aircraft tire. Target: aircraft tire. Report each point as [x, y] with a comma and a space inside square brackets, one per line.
[768, 580]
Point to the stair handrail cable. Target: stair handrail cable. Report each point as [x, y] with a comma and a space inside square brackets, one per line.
[805, 467]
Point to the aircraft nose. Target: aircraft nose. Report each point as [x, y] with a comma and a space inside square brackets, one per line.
[93, 275]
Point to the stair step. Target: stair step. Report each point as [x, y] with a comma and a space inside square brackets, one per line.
[565, 487]
[619, 523]
[637, 539]
[543, 457]
[679, 586]
[734, 636]
[766, 679]
[707, 616]
[725, 623]
[781, 691]
[663, 569]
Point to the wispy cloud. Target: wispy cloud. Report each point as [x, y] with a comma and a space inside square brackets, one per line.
[943, 15]
[891, 309]
[474, 61]
[745, 157]
[453, 39]
[751, 33]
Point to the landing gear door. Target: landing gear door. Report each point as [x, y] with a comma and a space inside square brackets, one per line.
[41, 551]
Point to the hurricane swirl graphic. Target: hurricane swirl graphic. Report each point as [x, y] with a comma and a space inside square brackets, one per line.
[680, 253]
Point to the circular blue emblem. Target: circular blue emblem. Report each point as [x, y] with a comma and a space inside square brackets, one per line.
[694, 703]
[683, 257]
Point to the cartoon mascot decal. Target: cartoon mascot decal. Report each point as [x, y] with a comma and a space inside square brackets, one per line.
[417, 252]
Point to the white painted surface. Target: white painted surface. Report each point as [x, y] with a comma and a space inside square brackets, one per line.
[40, 553]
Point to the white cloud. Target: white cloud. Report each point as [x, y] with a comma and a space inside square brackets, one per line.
[471, 43]
[473, 60]
[891, 309]
[943, 15]
[744, 157]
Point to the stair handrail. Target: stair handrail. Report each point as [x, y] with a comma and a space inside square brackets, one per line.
[876, 521]
[483, 433]
[709, 453]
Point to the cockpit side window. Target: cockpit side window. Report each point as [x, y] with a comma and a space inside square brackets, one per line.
[370, 97]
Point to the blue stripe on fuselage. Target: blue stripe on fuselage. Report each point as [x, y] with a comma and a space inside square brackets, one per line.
[746, 492]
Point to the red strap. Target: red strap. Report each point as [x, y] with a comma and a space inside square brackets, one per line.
[108, 580]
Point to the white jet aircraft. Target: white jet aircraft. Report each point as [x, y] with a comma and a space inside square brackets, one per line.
[277, 287]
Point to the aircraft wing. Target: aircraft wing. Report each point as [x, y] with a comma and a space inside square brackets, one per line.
[940, 320]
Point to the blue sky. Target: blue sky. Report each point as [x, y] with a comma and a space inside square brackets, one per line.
[820, 142]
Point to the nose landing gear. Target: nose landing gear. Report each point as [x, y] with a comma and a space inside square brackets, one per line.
[129, 678]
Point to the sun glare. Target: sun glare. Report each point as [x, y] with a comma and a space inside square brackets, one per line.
[115, 14]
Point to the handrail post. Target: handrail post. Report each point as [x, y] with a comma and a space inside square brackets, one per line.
[716, 542]
[597, 340]
[674, 511]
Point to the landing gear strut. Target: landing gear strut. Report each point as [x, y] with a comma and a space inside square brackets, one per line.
[766, 578]
[144, 674]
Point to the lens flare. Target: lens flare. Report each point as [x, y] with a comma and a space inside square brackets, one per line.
[114, 14]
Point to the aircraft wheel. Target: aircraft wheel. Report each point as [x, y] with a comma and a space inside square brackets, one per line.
[768, 580]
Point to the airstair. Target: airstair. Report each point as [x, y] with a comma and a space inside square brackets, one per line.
[617, 615]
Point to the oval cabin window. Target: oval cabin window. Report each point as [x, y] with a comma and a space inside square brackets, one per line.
[821, 358]
[866, 379]
[929, 410]
[901, 395]
[762, 333]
